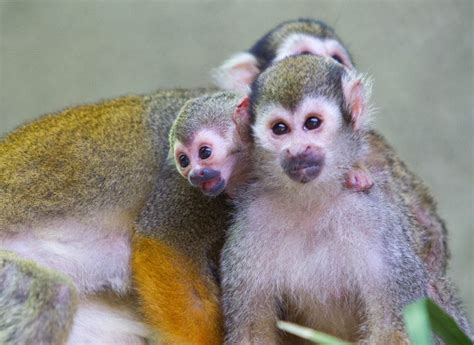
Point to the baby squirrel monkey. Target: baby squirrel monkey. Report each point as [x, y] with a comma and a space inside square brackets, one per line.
[211, 146]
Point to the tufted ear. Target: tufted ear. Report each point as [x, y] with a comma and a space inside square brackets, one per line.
[237, 73]
[356, 91]
[241, 119]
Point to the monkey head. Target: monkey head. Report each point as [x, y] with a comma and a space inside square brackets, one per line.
[308, 116]
[294, 37]
[207, 141]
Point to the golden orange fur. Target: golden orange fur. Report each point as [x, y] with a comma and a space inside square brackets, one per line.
[176, 298]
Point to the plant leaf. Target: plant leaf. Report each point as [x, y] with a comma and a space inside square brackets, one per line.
[424, 316]
[310, 334]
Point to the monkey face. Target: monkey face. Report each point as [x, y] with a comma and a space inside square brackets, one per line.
[300, 140]
[207, 161]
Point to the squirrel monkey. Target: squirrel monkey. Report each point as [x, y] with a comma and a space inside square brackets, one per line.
[74, 187]
[300, 246]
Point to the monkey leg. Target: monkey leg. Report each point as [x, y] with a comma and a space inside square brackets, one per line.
[178, 301]
[37, 305]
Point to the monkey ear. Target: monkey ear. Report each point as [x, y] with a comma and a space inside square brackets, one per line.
[237, 73]
[356, 91]
[241, 119]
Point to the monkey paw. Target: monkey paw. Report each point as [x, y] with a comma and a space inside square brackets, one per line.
[359, 180]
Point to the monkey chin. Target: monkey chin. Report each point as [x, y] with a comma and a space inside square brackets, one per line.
[306, 174]
[213, 187]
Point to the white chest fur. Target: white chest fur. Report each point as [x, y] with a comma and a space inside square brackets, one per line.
[320, 252]
[95, 252]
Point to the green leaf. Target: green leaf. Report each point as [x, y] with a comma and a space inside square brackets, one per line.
[423, 316]
[309, 334]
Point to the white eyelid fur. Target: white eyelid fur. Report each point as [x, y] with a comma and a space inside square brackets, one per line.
[236, 73]
[318, 105]
[261, 128]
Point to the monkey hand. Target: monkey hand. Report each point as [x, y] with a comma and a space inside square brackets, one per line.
[359, 179]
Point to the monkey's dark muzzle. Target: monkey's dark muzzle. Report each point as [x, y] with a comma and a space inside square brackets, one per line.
[208, 180]
[303, 168]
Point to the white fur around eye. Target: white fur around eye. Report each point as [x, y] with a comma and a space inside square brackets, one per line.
[327, 110]
[265, 120]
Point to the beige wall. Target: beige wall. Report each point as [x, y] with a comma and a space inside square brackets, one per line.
[55, 54]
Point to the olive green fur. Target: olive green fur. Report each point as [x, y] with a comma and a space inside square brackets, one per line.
[76, 161]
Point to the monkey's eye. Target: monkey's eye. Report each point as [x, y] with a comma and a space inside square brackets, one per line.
[205, 152]
[312, 123]
[280, 128]
[183, 160]
[306, 52]
[338, 59]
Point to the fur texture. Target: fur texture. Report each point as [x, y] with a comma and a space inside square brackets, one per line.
[37, 305]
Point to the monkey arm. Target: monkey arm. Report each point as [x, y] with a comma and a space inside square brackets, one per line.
[178, 301]
[37, 305]
[250, 308]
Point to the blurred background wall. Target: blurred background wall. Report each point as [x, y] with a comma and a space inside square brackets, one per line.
[420, 53]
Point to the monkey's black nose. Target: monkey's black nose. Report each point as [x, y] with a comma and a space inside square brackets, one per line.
[206, 174]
